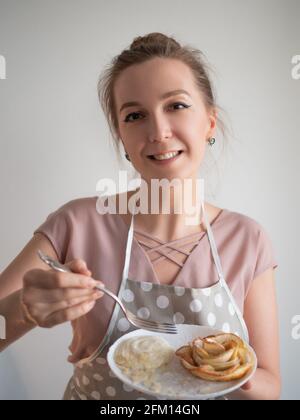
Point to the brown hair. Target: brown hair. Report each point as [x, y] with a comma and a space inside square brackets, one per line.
[144, 48]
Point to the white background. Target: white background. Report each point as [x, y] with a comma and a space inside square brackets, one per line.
[55, 142]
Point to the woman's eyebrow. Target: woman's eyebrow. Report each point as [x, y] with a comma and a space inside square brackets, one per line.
[164, 96]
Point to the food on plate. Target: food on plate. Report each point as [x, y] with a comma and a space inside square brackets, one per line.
[140, 357]
[221, 357]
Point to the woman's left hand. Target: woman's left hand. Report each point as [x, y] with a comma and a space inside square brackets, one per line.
[247, 386]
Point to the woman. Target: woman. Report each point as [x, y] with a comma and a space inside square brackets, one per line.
[159, 103]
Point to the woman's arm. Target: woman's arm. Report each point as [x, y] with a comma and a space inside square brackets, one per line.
[11, 283]
[261, 316]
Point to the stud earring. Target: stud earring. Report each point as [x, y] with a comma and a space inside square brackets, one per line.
[211, 141]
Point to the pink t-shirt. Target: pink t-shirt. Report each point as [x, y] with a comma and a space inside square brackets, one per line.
[77, 230]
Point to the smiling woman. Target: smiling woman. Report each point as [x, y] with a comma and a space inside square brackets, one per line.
[160, 105]
[158, 90]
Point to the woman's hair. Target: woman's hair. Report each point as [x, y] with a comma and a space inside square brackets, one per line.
[144, 48]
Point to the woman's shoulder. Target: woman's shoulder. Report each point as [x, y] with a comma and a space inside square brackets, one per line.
[242, 221]
[79, 204]
[246, 230]
[99, 210]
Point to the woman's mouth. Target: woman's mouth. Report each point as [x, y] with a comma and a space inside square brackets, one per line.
[165, 157]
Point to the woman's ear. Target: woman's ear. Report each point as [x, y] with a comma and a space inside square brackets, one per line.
[212, 116]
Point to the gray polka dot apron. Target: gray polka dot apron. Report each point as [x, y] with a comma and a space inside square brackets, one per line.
[212, 306]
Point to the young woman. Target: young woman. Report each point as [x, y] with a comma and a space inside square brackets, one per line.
[159, 103]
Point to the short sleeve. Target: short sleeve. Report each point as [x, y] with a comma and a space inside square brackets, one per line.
[58, 229]
[265, 256]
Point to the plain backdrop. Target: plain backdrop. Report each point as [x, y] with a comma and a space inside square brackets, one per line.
[55, 143]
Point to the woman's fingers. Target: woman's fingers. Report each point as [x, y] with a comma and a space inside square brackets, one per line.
[57, 295]
[52, 297]
[69, 314]
[79, 266]
[247, 386]
[44, 310]
[50, 279]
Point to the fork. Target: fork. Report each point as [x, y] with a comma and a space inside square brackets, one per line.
[165, 328]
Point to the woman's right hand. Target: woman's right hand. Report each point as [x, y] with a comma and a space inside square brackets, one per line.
[51, 297]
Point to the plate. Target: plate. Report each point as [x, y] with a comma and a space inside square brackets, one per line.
[175, 381]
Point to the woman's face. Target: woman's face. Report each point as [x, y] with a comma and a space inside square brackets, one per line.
[152, 123]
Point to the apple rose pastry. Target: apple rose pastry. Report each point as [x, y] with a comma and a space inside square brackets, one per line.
[221, 358]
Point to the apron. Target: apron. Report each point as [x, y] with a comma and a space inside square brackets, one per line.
[211, 306]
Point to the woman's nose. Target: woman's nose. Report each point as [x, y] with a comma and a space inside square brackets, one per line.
[160, 131]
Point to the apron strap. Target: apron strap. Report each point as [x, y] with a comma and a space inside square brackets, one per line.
[221, 276]
[128, 248]
[213, 245]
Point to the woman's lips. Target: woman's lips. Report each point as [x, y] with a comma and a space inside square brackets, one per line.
[166, 160]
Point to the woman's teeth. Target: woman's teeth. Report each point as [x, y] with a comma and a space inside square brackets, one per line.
[166, 155]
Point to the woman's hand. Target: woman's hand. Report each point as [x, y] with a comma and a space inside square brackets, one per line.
[51, 297]
[247, 386]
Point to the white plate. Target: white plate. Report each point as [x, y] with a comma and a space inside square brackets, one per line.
[173, 378]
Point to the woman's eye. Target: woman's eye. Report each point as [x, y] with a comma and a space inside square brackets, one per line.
[127, 119]
[179, 103]
[129, 115]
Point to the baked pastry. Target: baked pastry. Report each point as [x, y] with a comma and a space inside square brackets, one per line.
[221, 357]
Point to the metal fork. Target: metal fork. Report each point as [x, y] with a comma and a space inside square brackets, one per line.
[165, 328]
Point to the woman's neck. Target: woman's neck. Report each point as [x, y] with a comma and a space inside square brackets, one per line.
[171, 212]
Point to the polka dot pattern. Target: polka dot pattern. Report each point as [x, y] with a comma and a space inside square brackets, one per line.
[196, 305]
[128, 295]
[179, 291]
[178, 318]
[226, 327]
[127, 388]
[146, 287]
[143, 313]
[98, 377]
[101, 361]
[123, 325]
[85, 380]
[96, 395]
[206, 292]
[110, 391]
[162, 302]
[211, 319]
[218, 300]
[231, 309]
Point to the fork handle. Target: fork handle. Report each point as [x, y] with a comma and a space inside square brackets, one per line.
[60, 267]
[113, 296]
[56, 265]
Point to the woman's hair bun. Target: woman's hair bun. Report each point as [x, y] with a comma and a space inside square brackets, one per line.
[153, 38]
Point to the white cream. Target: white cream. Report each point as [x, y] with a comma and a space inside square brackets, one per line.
[139, 357]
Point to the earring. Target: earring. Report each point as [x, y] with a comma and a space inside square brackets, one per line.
[127, 157]
[211, 141]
